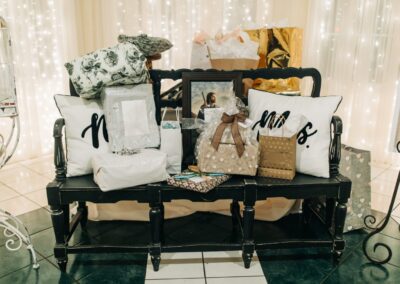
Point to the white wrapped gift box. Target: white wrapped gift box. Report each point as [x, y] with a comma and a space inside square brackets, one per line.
[130, 115]
[113, 171]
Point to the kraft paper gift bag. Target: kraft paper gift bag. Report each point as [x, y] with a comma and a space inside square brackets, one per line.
[278, 144]
[277, 157]
[171, 142]
[234, 53]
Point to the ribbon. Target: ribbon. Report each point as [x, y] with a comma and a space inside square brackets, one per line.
[233, 120]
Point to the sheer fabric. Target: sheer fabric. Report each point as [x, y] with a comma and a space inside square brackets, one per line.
[355, 45]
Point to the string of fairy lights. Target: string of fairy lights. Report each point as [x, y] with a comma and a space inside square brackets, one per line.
[352, 43]
[355, 49]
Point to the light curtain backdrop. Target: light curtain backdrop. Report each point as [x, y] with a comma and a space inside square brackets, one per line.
[355, 45]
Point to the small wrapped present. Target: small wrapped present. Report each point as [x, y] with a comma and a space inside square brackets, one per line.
[231, 148]
[130, 117]
[199, 182]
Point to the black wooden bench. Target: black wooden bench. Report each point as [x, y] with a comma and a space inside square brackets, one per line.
[332, 193]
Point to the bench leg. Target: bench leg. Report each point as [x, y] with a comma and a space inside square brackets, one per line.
[155, 228]
[84, 209]
[306, 211]
[162, 222]
[248, 247]
[340, 217]
[329, 211]
[235, 212]
[248, 242]
[60, 249]
[65, 210]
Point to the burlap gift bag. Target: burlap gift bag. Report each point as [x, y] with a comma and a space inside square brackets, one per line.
[235, 53]
[277, 156]
[278, 48]
[230, 150]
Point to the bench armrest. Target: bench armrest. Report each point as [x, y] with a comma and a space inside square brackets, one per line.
[59, 156]
[336, 145]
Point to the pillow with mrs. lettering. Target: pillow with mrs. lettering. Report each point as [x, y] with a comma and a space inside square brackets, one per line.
[313, 140]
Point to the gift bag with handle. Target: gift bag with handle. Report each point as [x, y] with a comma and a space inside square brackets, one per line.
[234, 53]
[277, 152]
[171, 142]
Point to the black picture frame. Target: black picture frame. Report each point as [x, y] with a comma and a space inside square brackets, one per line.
[189, 136]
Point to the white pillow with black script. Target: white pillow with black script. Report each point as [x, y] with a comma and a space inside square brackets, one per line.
[85, 131]
[313, 139]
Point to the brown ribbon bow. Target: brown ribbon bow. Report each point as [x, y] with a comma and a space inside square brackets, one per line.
[233, 120]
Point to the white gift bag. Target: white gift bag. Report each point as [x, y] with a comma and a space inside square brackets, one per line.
[199, 56]
[113, 171]
[171, 142]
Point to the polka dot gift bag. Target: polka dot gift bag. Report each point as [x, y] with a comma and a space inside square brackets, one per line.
[228, 146]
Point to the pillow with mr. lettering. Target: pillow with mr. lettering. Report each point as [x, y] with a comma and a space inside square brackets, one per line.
[313, 140]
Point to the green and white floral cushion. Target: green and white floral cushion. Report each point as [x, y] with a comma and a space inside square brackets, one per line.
[148, 45]
[122, 64]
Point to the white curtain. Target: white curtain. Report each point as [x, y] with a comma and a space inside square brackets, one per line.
[353, 43]
[36, 29]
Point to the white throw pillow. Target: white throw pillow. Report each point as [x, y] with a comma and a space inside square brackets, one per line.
[85, 131]
[313, 139]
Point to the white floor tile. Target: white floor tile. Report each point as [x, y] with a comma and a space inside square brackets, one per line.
[49, 174]
[45, 158]
[377, 170]
[230, 264]
[390, 174]
[397, 219]
[6, 192]
[41, 167]
[18, 172]
[380, 202]
[39, 197]
[176, 281]
[18, 205]
[177, 265]
[237, 280]
[383, 186]
[25, 185]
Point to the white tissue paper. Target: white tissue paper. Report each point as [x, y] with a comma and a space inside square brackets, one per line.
[233, 48]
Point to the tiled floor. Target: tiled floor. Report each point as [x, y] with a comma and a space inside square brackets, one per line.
[22, 193]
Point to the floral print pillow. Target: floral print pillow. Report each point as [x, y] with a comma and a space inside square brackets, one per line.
[122, 64]
[148, 45]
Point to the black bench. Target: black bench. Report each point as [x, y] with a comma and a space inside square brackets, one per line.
[324, 199]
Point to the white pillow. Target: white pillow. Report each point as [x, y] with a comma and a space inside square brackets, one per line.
[85, 131]
[314, 139]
